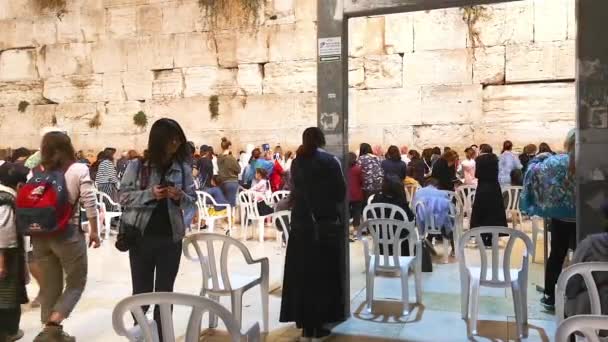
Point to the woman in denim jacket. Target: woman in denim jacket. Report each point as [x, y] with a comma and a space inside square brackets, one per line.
[154, 193]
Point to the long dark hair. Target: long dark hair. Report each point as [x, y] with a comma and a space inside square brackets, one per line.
[414, 155]
[312, 139]
[544, 148]
[393, 153]
[364, 149]
[352, 159]
[57, 152]
[162, 133]
[507, 146]
[394, 188]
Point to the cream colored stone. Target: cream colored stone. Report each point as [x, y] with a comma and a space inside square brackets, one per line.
[306, 10]
[399, 33]
[113, 89]
[226, 44]
[455, 136]
[571, 19]
[16, 33]
[397, 135]
[290, 77]
[151, 53]
[78, 27]
[180, 17]
[149, 20]
[167, 84]
[252, 47]
[437, 67]
[542, 61]
[137, 85]
[11, 93]
[115, 3]
[121, 22]
[18, 65]
[489, 65]
[523, 133]
[356, 73]
[366, 36]
[292, 42]
[383, 71]
[74, 88]
[529, 102]
[451, 104]
[75, 117]
[194, 49]
[385, 107]
[118, 117]
[64, 59]
[283, 8]
[250, 78]
[44, 31]
[208, 81]
[23, 129]
[109, 56]
[193, 113]
[439, 29]
[550, 20]
[506, 23]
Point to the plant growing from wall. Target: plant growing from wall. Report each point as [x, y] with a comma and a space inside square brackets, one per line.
[471, 15]
[54, 120]
[52, 5]
[23, 106]
[238, 12]
[214, 107]
[95, 121]
[140, 119]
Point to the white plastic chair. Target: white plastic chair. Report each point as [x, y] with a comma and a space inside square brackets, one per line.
[248, 201]
[284, 218]
[277, 196]
[538, 227]
[588, 325]
[218, 281]
[512, 208]
[430, 228]
[205, 202]
[370, 199]
[102, 198]
[466, 195]
[382, 211]
[410, 191]
[494, 275]
[585, 270]
[147, 329]
[387, 233]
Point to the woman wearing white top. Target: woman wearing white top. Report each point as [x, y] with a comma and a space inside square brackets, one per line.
[468, 167]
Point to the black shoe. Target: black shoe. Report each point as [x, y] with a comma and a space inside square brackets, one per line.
[548, 303]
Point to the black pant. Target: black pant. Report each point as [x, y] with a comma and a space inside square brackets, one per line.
[9, 322]
[563, 237]
[356, 210]
[154, 254]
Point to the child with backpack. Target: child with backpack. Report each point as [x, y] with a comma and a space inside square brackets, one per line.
[13, 271]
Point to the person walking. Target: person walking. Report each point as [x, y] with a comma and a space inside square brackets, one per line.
[154, 192]
[372, 171]
[229, 170]
[107, 178]
[313, 285]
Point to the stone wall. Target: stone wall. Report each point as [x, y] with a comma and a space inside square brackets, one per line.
[416, 78]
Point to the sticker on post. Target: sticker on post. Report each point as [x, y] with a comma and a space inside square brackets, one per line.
[330, 49]
[329, 121]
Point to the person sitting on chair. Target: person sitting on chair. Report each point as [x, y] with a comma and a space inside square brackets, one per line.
[437, 204]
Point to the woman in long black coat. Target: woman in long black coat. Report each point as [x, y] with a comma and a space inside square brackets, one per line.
[488, 207]
[314, 280]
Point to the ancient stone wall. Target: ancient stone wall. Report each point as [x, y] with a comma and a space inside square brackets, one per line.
[424, 78]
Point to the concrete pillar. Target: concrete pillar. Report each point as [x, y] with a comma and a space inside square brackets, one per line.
[592, 115]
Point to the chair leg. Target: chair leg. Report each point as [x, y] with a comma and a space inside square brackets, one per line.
[108, 224]
[418, 280]
[369, 291]
[446, 250]
[265, 289]
[517, 304]
[473, 306]
[405, 298]
[213, 318]
[237, 307]
[261, 229]
[535, 237]
[464, 296]
[211, 225]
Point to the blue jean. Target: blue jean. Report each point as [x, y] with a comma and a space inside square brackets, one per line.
[218, 196]
[189, 216]
[230, 189]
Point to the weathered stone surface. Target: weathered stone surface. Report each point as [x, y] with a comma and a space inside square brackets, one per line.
[23, 129]
[226, 43]
[81, 26]
[193, 114]
[149, 20]
[455, 136]
[74, 88]
[550, 20]
[64, 59]
[18, 65]
[194, 49]
[451, 104]
[290, 77]
[283, 8]
[306, 10]
[383, 71]
[167, 84]
[121, 22]
[115, 3]
[208, 81]
[440, 29]
[385, 107]
[16, 33]
[44, 31]
[489, 65]
[523, 133]
[109, 56]
[437, 67]
[150, 53]
[137, 85]
[113, 89]
[118, 117]
[571, 19]
[180, 17]
[529, 102]
[399, 33]
[75, 117]
[505, 23]
[397, 135]
[11, 93]
[541, 61]
[356, 73]
[292, 42]
[366, 36]
[250, 78]
[252, 47]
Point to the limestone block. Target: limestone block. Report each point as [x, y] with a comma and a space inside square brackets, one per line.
[75, 117]
[77, 26]
[283, 8]
[529, 103]
[571, 19]
[23, 129]
[292, 42]
[118, 117]
[109, 56]
[541, 61]
[550, 20]
[18, 65]
[193, 114]
[523, 133]
[115, 3]
[167, 84]
[506, 23]
[290, 77]
[151, 53]
[11, 93]
[489, 65]
[249, 78]
[437, 67]
[74, 88]
[385, 107]
[356, 73]
[44, 31]
[455, 136]
[113, 89]
[194, 49]
[64, 59]
[366, 36]
[440, 29]
[121, 22]
[252, 47]
[180, 17]
[383, 71]
[149, 20]
[226, 43]
[137, 85]
[399, 33]
[208, 81]
[306, 10]
[397, 135]
[369, 134]
[16, 33]
[451, 104]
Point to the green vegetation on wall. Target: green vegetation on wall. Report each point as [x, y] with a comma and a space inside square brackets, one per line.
[232, 12]
[140, 119]
[214, 107]
[471, 15]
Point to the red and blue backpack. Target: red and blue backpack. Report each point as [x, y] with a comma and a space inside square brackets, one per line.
[42, 206]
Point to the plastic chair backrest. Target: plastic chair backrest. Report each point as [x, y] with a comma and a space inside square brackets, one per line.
[429, 219]
[410, 191]
[277, 196]
[466, 196]
[214, 267]
[165, 301]
[205, 202]
[382, 211]
[102, 197]
[284, 218]
[513, 194]
[588, 325]
[585, 270]
[385, 233]
[495, 268]
[247, 199]
[370, 199]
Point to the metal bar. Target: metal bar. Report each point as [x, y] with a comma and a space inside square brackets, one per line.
[361, 8]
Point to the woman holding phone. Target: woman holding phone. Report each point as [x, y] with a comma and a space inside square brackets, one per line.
[154, 193]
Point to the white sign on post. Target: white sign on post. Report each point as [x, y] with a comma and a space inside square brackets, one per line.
[330, 48]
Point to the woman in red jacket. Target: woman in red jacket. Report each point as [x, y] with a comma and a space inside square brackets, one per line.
[276, 179]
